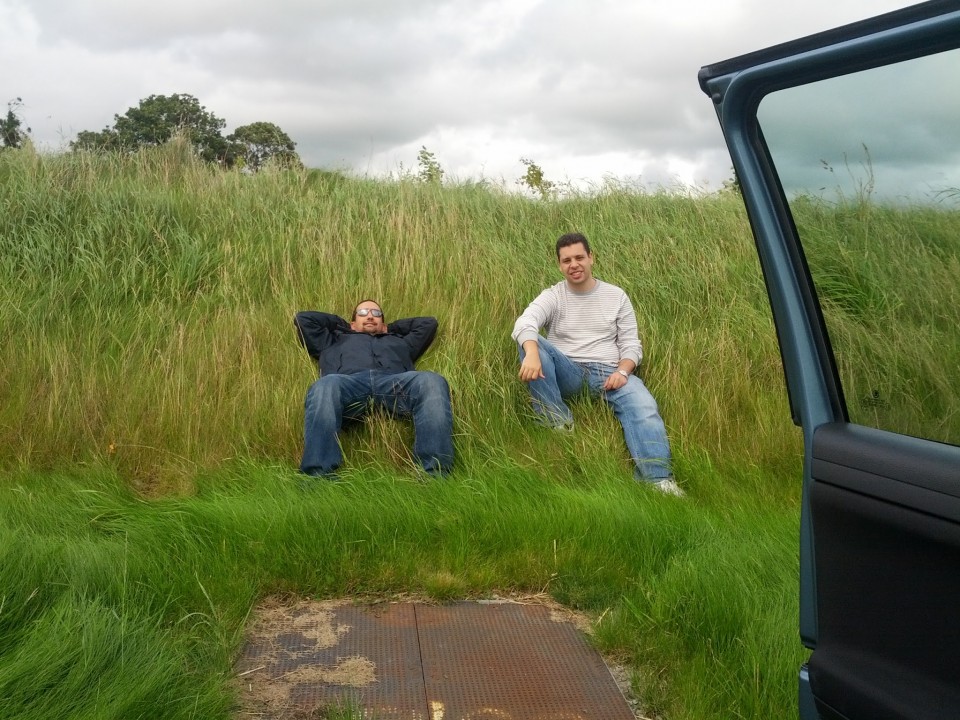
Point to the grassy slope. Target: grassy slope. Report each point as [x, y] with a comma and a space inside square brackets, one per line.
[151, 419]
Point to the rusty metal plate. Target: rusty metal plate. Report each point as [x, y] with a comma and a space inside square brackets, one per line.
[319, 655]
[406, 661]
[512, 662]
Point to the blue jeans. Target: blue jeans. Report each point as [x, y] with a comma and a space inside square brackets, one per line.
[632, 404]
[422, 395]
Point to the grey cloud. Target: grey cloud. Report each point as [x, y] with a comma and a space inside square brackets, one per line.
[118, 25]
[579, 84]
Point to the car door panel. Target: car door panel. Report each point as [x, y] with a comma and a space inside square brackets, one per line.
[883, 650]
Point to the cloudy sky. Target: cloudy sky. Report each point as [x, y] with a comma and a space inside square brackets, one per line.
[587, 89]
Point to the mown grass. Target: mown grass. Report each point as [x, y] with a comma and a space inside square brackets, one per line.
[116, 606]
[151, 425]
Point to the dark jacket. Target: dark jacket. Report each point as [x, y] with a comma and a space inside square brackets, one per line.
[340, 350]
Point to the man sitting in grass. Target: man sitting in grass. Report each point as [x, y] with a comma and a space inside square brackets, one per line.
[591, 344]
[367, 363]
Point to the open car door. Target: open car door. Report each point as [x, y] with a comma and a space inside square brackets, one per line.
[846, 148]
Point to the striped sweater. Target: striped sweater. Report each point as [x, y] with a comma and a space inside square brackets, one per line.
[595, 326]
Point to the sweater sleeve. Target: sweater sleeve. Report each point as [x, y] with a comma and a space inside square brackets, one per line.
[628, 338]
[417, 332]
[538, 315]
[315, 330]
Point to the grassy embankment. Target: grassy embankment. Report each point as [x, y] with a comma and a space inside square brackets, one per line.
[150, 424]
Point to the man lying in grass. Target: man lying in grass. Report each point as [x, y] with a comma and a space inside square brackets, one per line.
[367, 363]
[591, 343]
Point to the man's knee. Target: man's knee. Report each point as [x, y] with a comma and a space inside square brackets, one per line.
[432, 385]
[637, 398]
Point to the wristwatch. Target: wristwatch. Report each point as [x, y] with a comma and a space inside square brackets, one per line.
[624, 373]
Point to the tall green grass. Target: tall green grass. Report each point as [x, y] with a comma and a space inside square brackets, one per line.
[151, 424]
[891, 273]
[151, 299]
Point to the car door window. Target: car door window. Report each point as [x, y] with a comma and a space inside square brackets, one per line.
[870, 164]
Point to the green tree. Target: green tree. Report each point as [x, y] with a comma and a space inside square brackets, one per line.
[732, 184]
[157, 119]
[258, 143]
[535, 180]
[430, 170]
[106, 139]
[12, 133]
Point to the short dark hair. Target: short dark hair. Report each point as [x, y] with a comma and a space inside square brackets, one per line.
[572, 239]
[354, 316]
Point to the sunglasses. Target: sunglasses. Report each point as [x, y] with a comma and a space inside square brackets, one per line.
[363, 312]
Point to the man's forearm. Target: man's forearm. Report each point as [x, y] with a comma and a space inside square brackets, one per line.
[418, 332]
[530, 367]
[537, 315]
[315, 329]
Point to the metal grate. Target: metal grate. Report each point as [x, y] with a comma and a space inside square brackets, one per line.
[513, 662]
[468, 661]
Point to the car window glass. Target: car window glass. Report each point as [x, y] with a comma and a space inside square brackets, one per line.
[870, 164]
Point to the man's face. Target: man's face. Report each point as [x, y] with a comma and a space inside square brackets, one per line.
[368, 323]
[576, 264]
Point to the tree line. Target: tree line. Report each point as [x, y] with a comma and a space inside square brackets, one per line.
[158, 118]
